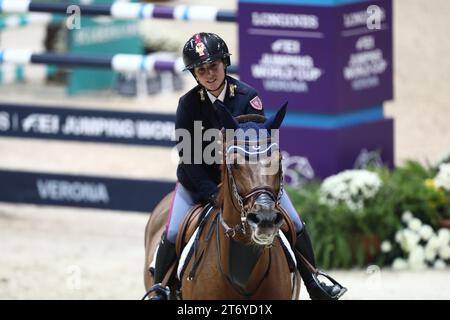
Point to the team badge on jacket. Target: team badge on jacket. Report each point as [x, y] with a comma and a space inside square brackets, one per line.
[256, 103]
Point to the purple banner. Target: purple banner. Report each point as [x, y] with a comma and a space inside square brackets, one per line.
[321, 59]
[329, 151]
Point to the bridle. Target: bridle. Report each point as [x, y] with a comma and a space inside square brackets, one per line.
[254, 193]
[241, 200]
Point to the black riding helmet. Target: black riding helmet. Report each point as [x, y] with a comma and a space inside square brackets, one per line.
[204, 48]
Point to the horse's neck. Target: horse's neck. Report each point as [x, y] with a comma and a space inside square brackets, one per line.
[245, 266]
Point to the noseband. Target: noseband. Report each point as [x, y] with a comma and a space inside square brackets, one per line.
[253, 194]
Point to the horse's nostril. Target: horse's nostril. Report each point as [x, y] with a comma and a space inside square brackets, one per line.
[270, 220]
[278, 220]
[253, 218]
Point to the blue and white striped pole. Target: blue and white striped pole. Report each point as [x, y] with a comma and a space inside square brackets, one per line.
[156, 62]
[123, 10]
[23, 20]
[118, 62]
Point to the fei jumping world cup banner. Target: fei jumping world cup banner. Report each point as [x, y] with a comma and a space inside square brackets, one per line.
[153, 129]
[322, 56]
[43, 122]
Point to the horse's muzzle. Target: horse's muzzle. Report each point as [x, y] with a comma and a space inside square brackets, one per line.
[265, 220]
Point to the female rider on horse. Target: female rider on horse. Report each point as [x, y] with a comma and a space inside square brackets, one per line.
[206, 56]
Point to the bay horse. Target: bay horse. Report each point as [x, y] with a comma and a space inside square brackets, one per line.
[242, 252]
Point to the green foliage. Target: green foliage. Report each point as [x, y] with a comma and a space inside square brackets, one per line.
[344, 238]
[410, 192]
[411, 189]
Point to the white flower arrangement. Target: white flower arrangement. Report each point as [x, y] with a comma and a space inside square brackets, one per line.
[408, 240]
[415, 224]
[420, 246]
[439, 265]
[444, 252]
[442, 179]
[430, 253]
[386, 246]
[407, 216]
[399, 264]
[416, 258]
[444, 236]
[351, 187]
[426, 232]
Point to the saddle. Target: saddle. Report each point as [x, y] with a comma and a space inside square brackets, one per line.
[187, 227]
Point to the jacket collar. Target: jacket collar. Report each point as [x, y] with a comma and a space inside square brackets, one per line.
[221, 96]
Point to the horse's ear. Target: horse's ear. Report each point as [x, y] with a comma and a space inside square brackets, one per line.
[275, 121]
[227, 120]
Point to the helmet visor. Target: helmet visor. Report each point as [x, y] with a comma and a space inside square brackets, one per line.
[209, 59]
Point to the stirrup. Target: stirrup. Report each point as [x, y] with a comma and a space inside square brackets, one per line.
[342, 289]
[160, 291]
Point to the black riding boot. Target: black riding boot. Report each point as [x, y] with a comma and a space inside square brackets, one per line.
[315, 291]
[164, 258]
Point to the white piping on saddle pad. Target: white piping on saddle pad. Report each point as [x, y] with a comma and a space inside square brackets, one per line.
[185, 253]
[255, 147]
[153, 263]
[187, 248]
[287, 245]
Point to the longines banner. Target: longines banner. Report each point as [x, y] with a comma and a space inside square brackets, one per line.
[87, 125]
[323, 59]
[82, 191]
